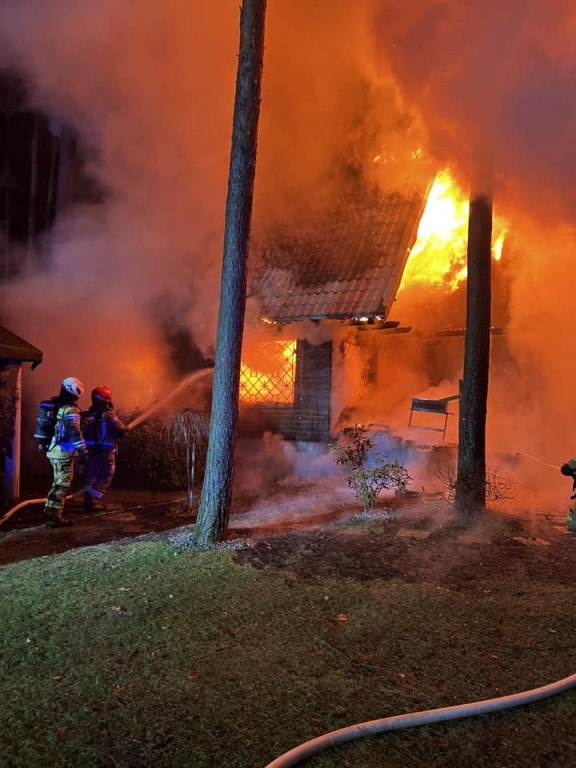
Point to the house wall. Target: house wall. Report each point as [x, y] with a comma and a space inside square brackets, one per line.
[368, 377]
[308, 420]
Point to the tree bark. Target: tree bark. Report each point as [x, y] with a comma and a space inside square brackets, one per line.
[214, 509]
[7, 196]
[470, 497]
[33, 193]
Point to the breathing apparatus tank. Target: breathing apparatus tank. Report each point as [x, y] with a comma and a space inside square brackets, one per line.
[45, 423]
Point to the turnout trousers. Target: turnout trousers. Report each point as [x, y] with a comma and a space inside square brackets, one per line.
[63, 472]
[99, 474]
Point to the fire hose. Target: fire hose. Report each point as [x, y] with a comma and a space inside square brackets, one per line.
[134, 423]
[411, 720]
[25, 503]
[131, 425]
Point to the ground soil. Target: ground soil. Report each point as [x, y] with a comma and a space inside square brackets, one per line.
[414, 540]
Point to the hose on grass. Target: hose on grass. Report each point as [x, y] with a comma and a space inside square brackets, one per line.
[25, 503]
[411, 720]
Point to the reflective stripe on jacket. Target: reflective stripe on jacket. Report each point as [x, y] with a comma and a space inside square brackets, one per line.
[68, 437]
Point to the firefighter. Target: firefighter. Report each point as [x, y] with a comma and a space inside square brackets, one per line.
[66, 446]
[102, 429]
[569, 470]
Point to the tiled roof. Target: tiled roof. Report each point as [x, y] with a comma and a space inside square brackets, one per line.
[350, 267]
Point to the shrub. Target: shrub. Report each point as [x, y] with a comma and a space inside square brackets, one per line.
[150, 458]
[499, 486]
[188, 432]
[369, 474]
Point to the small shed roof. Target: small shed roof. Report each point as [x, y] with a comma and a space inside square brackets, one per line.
[13, 347]
[347, 266]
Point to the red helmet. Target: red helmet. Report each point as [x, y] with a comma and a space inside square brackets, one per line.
[101, 395]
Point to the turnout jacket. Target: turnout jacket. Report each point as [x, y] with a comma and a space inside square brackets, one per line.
[68, 440]
[101, 430]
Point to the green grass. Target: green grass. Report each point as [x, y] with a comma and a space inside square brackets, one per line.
[143, 655]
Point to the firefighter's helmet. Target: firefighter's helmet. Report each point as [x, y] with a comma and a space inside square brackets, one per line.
[73, 386]
[101, 396]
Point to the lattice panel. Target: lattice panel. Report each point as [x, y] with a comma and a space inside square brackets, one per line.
[272, 386]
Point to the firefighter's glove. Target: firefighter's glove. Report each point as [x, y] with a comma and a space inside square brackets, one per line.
[567, 470]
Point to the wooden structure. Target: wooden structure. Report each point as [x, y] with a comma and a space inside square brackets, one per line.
[14, 351]
[307, 417]
[341, 267]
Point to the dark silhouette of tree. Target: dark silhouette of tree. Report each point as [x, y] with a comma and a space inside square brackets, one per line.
[214, 509]
[470, 497]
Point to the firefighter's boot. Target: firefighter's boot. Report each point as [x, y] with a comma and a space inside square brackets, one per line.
[91, 504]
[571, 520]
[58, 521]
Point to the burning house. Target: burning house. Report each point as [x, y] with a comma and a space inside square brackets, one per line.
[334, 355]
[347, 90]
[341, 281]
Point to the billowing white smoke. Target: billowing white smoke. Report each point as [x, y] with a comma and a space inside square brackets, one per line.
[150, 92]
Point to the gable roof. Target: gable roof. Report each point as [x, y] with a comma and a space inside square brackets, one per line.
[350, 266]
[13, 347]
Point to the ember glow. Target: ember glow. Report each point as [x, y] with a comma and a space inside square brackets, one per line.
[439, 254]
[271, 379]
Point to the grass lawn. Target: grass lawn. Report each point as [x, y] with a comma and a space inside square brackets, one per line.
[140, 654]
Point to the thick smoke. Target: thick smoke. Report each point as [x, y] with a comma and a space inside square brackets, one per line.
[500, 77]
[151, 95]
[150, 91]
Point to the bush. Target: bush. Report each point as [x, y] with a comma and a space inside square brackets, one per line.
[499, 487]
[370, 474]
[149, 456]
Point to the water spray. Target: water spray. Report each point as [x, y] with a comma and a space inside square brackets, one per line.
[526, 455]
[196, 375]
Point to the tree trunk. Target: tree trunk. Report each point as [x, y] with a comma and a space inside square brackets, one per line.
[63, 192]
[32, 194]
[7, 197]
[214, 509]
[471, 477]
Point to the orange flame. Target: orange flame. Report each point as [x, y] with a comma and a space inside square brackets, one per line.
[439, 253]
[275, 384]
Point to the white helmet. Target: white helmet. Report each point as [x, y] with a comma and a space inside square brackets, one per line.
[73, 386]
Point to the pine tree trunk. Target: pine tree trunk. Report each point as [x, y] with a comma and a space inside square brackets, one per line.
[33, 193]
[214, 509]
[7, 197]
[471, 477]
